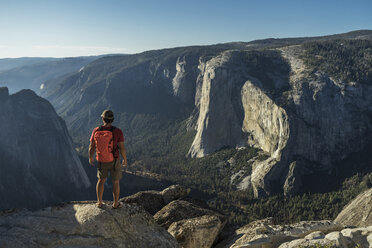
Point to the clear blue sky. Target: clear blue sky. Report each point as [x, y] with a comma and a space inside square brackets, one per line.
[87, 27]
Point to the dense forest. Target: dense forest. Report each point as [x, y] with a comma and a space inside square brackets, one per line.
[210, 178]
[347, 60]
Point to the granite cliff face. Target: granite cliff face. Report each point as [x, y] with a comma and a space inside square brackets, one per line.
[38, 164]
[235, 108]
[323, 121]
[232, 95]
[329, 119]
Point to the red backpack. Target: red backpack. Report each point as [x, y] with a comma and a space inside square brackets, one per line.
[104, 140]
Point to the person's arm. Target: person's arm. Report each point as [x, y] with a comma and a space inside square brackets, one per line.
[92, 148]
[123, 153]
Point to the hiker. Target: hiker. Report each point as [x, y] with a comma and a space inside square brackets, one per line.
[107, 141]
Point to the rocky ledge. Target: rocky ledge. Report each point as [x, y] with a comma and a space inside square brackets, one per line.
[83, 225]
[169, 218]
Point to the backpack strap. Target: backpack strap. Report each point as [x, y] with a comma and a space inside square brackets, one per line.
[99, 128]
[114, 149]
[113, 138]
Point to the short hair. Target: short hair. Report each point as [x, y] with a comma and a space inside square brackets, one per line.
[108, 120]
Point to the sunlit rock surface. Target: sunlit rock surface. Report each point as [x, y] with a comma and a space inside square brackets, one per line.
[358, 212]
[83, 225]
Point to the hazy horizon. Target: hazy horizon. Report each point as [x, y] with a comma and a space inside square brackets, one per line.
[86, 28]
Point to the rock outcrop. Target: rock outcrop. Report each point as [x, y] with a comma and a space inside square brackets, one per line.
[180, 210]
[263, 233]
[39, 165]
[190, 224]
[198, 232]
[358, 212]
[83, 225]
[189, 221]
[153, 201]
[347, 238]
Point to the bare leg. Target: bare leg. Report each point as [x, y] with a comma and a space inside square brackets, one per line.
[116, 191]
[99, 189]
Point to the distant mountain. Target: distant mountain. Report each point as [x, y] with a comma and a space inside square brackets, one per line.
[272, 42]
[10, 63]
[38, 164]
[303, 104]
[32, 73]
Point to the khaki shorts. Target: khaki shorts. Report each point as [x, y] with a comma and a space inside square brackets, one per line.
[104, 168]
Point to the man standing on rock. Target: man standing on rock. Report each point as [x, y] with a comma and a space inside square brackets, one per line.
[107, 141]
